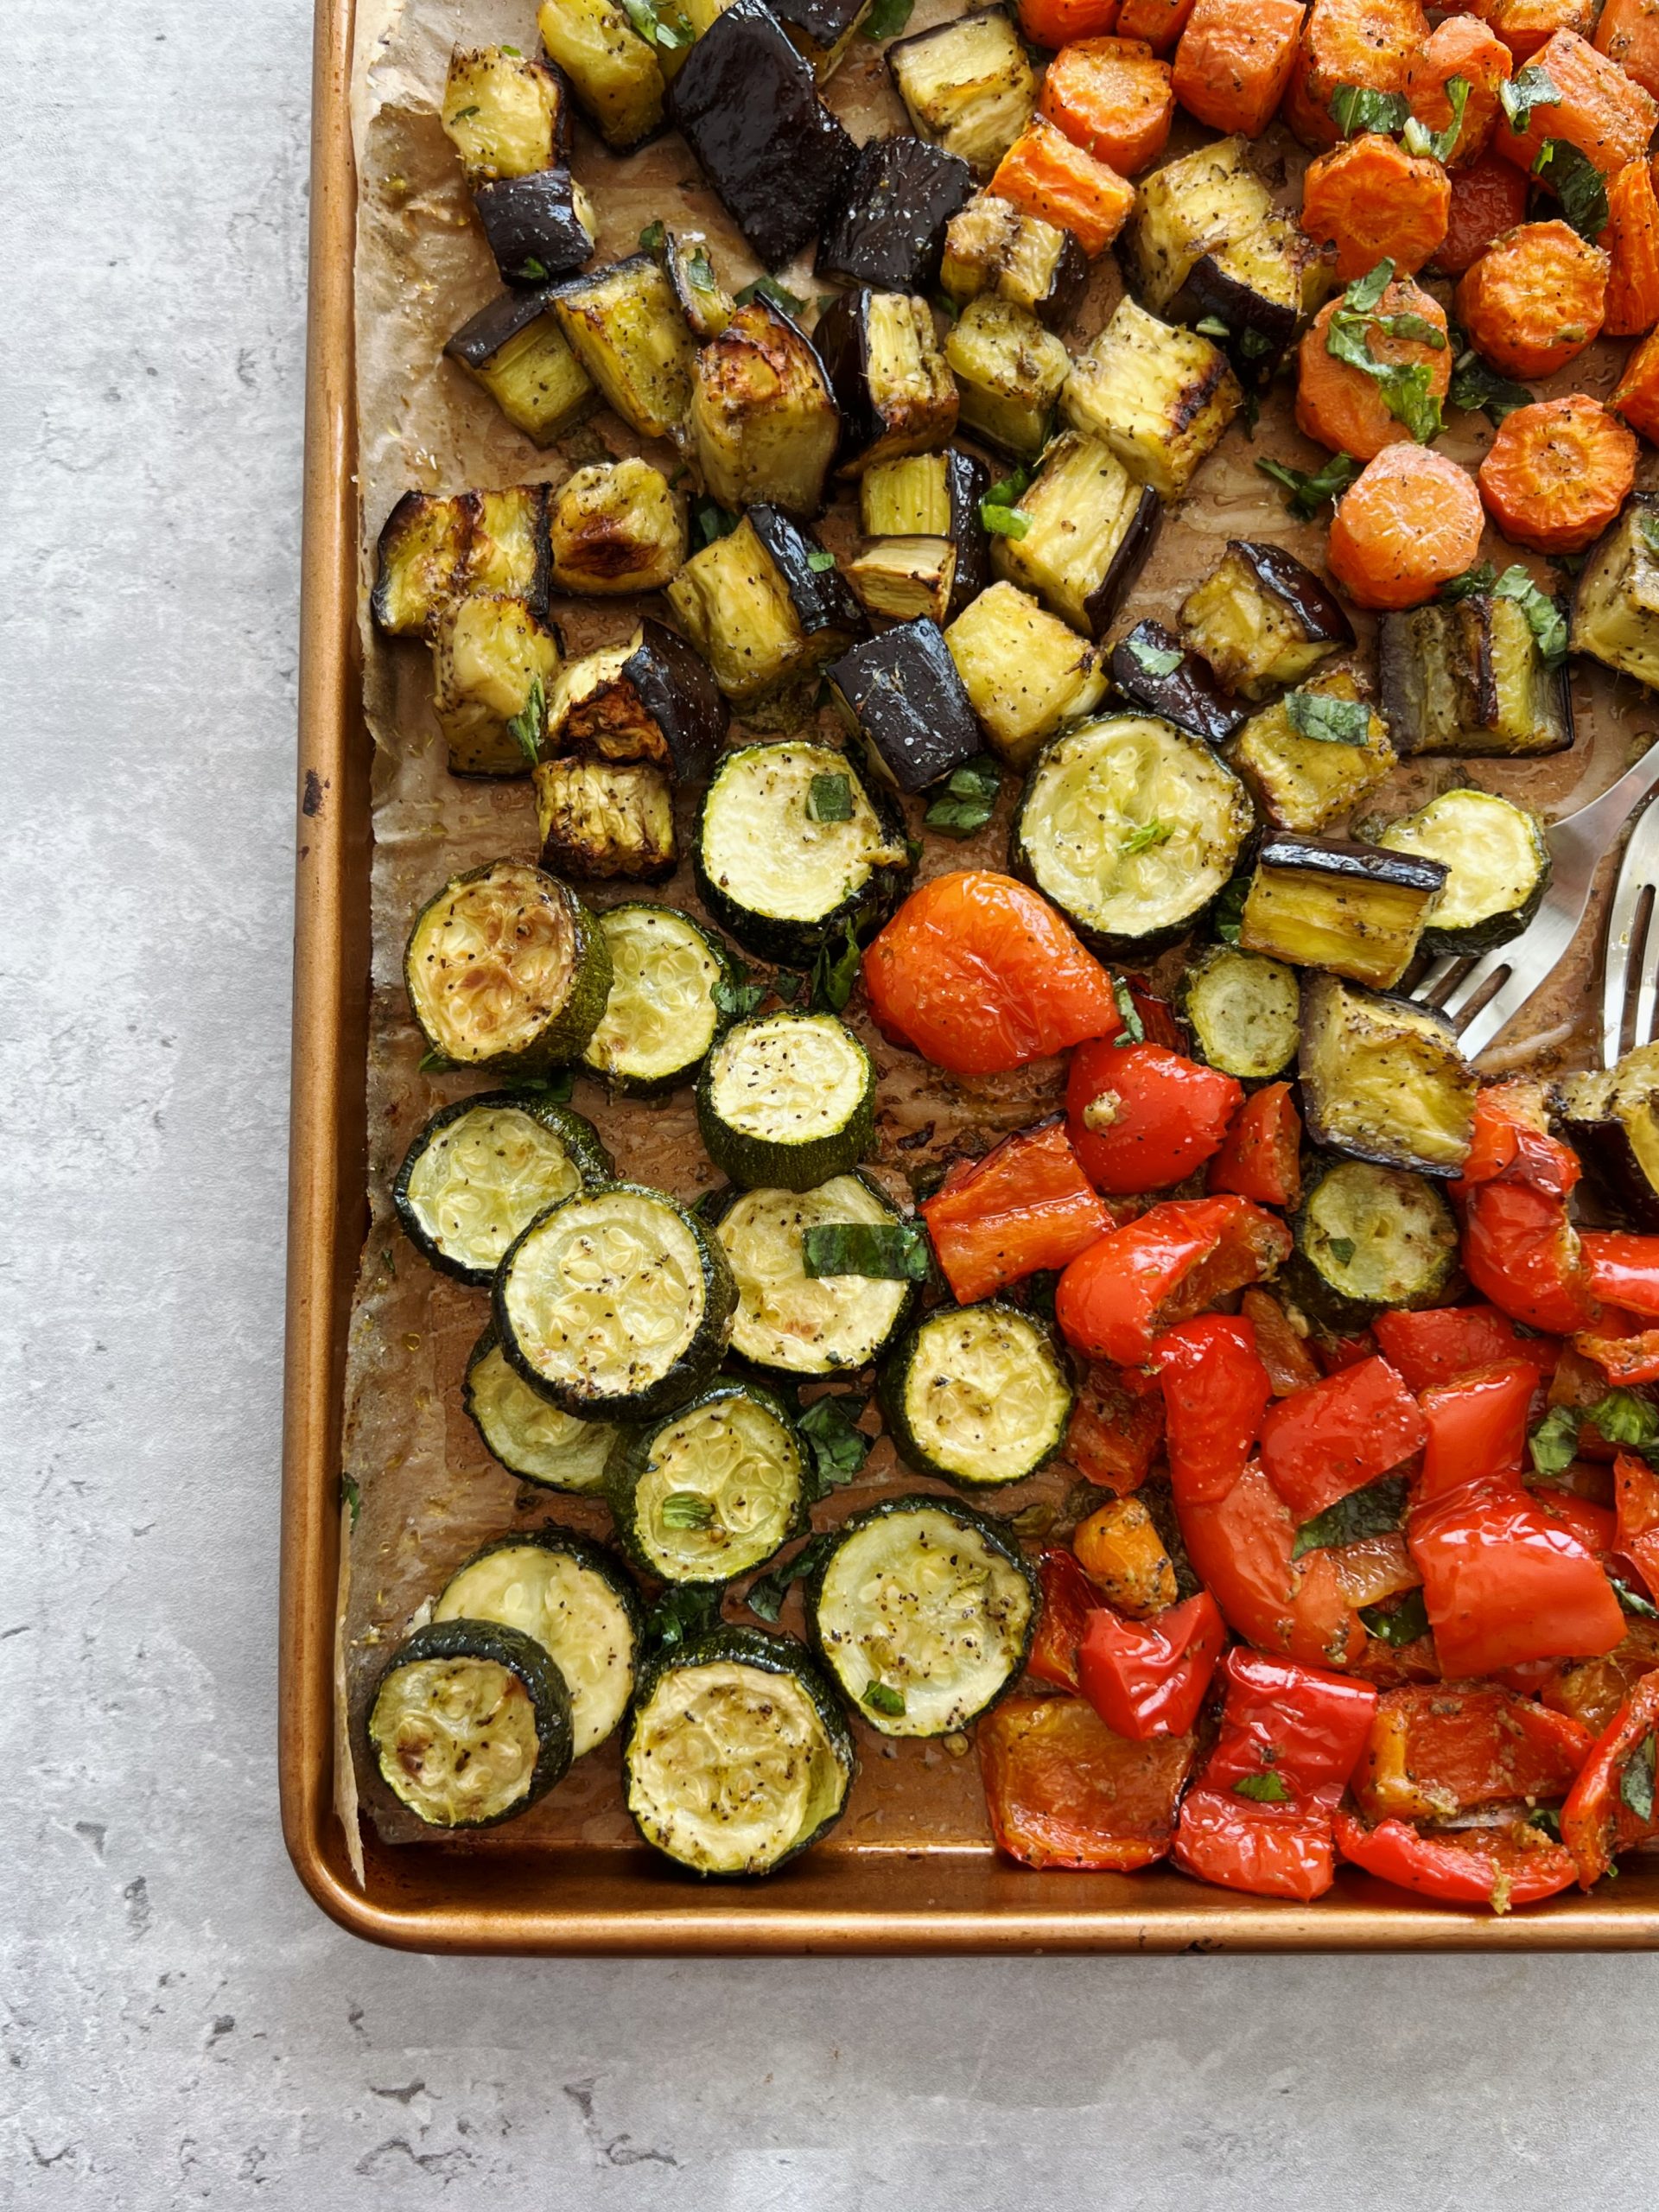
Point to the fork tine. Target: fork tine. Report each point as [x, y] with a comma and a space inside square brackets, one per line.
[1468, 989]
[1434, 980]
[1500, 1008]
[1638, 873]
[1647, 988]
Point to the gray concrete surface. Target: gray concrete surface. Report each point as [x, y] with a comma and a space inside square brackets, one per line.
[179, 2026]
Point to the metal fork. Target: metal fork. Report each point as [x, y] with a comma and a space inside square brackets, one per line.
[1577, 844]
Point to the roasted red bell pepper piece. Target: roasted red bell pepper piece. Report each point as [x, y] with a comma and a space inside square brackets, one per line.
[1510, 1141]
[1614, 1805]
[1505, 1580]
[1261, 1156]
[1437, 1751]
[1140, 1117]
[1173, 1261]
[1520, 1250]
[1026, 1205]
[1117, 1427]
[1069, 1599]
[979, 974]
[1624, 1269]
[1477, 1427]
[1148, 1678]
[1341, 1435]
[1240, 1548]
[1279, 1344]
[1592, 1524]
[1216, 1391]
[1495, 1866]
[1636, 1488]
[1625, 1360]
[1444, 1342]
[1063, 1789]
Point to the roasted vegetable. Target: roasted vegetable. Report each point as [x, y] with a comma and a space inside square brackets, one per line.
[967, 85]
[661, 1016]
[433, 550]
[704, 301]
[491, 657]
[1467, 677]
[538, 226]
[978, 1395]
[763, 605]
[469, 1723]
[1382, 1079]
[1242, 1011]
[626, 328]
[480, 1171]
[650, 700]
[786, 1100]
[712, 1489]
[1160, 397]
[793, 1324]
[889, 227]
[1408, 524]
[530, 1439]
[1263, 288]
[1327, 903]
[763, 423]
[600, 819]
[1153, 670]
[1009, 371]
[1190, 207]
[901, 697]
[615, 527]
[1612, 1116]
[1615, 606]
[933, 495]
[1025, 672]
[994, 246]
[1499, 866]
[822, 30]
[1088, 527]
[890, 380]
[1308, 765]
[506, 968]
[1370, 1240]
[515, 349]
[504, 114]
[1260, 619]
[615, 73]
[905, 578]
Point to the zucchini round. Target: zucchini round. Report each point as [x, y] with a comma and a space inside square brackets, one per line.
[714, 1490]
[531, 1439]
[792, 1323]
[977, 1393]
[469, 1723]
[662, 1015]
[1131, 827]
[1499, 866]
[482, 1168]
[924, 1611]
[1242, 1011]
[1370, 1240]
[616, 1305]
[573, 1597]
[787, 1100]
[506, 968]
[775, 877]
[738, 1756]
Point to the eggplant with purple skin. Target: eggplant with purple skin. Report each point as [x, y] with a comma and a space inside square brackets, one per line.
[704, 301]
[746, 105]
[1610, 1116]
[888, 229]
[764, 605]
[515, 350]
[822, 30]
[969, 85]
[896, 393]
[626, 328]
[1382, 1079]
[616, 70]
[1261, 619]
[1161, 397]
[763, 421]
[900, 695]
[433, 550]
[652, 701]
[933, 495]
[1466, 677]
[991, 245]
[601, 820]
[1256, 294]
[1152, 669]
[538, 227]
[1352, 910]
[1088, 526]
[905, 578]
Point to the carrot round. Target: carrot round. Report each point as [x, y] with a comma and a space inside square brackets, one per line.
[1235, 61]
[1057, 22]
[1488, 198]
[1526, 25]
[1460, 47]
[1111, 96]
[1632, 240]
[1408, 524]
[1535, 299]
[1373, 201]
[1044, 174]
[1603, 112]
[1339, 405]
[1557, 473]
[1637, 396]
[1372, 43]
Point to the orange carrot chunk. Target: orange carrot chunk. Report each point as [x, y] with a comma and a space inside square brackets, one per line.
[1373, 201]
[1627, 31]
[1637, 396]
[1235, 61]
[1045, 174]
[1632, 240]
[1057, 22]
[1338, 404]
[1601, 111]
[1535, 299]
[1524, 26]
[1372, 43]
[1488, 198]
[1460, 47]
[1409, 523]
[1160, 22]
[1112, 96]
[1557, 473]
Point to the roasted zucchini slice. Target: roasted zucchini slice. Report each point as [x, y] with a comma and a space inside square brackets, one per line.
[664, 1012]
[967, 85]
[714, 1489]
[932, 495]
[704, 301]
[615, 526]
[1185, 209]
[1613, 1118]
[469, 1724]
[615, 73]
[748, 106]
[432, 551]
[907, 579]
[600, 819]
[1615, 605]
[900, 695]
[1468, 679]
[515, 350]
[626, 328]
[979, 1395]
[793, 1324]
[822, 30]
[1307, 768]
[737, 1756]
[650, 700]
[1160, 395]
[1009, 371]
[505, 969]
[1131, 827]
[786, 1100]
[1026, 672]
[538, 227]
[1089, 525]
[1242, 1012]
[1262, 287]
[1499, 864]
[895, 394]
[532, 1439]
[1153, 670]
[492, 660]
[888, 228]
[924, 1611]
[764, 605]
[1324, 902]
[504, 113]
[483, 1168]
[616, 1305]
[785, 877]
[1261, 618]
[992, 246]
[1382, 1079]
[574, 1598]
[764, 425]
[1370, 1240]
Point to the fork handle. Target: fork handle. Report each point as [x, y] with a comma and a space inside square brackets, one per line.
[1601, 821]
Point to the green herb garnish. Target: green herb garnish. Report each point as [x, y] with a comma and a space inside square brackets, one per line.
[687, 1509]
[1403, 387]
[700, 272]
[1647, 524]
[1227, 915]
[1481, 391]
[766, 1595]
[709, 520]
[1342, 1249]
[969, 800]
[839, 1446]
[820, 560]
[1133, 1031]
[1636, 1783]
[735, 997]
[683, 1613]
[833, 973]
[1554, 1445]
[1330, 721]
[1356, 108]
[1307, 492]
[1632, 1601]
[535, 271]
[351, 1496]
[1372, 1511]
[461, 114]
[1577, 184]
[877, 1251]
[1397, 1621]
[1265, 1788]
[1156, 660]
[886, 19]
[653, 238]
[829, 799]
[1004, 522]
[1211, 325]
[1621, 1417]
[525, 728]
[1145, 836]
[768, 288]
[1438, 144]
[881, 1699]
[1532, 87]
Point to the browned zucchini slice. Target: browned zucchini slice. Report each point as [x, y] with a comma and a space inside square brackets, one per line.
[1324, 902]
[764, 426]
[1382, 1079]
[505, 969]
[895, 393]
[1160, 395]
[1262, 618]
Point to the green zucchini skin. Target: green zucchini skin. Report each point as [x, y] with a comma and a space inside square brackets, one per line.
[1492, 929]
[621, 1080]
[916, 1345]
[1267, 1045]
[585, 1454]
[1426, 1272]
[757, 1162]
[569, 1026]
[632, 1456]
[583, 1146]
[510, 1648]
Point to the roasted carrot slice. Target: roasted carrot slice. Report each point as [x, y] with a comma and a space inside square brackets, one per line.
[1460, 47]
[1373, 201]
[1409, 522]
[1535, 299]
[1632, 239]
[1338, 404]
[1637, 396]
[1557, 473]
[1057, 22]
[1112, 96]
[1488, 198]
[1366, 42]
[1160, 22]
[1603, 112]
[1045, 174]
[1627, 31]
[1235, 61]
[1524, 26]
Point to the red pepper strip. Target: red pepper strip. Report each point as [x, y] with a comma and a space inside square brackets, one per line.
[1600, 1819]
[1026, 1205]
[1520, 1250]
[1623, 1360]
[1069, 1601]
[1624, 1269]
[1157, 1015]
[1117, 1427]
[1290, 1364]
[1173, 1261]
[1240, 1549]
[1510, 1141]
[1477, 1426]
[1499, 1867]
[1063, 1790]
[1592, 1524]
[1215, 1393]
[1444, 1342]
[1140, 1118]
[1339, 1435]
[1262, 1158]
[1635, 1487]
[1433, 1752]
[1505, 1580]
[1148, 1678]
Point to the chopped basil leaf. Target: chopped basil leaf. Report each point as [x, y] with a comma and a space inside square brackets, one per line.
[525, 728]
[1362, 296]
[1632, 1601]
[1402, 386]
[839, 1446]
[1544, 618]
[1331, 721]
[681, 1614]
[1356, 108]
[1341, 1249]
[1417, 327]
[514, 51]
[1578, 183]
[969, 800]
[1133, 1031]
[766, 1595]
[652, 238]
[351, 1496]
[1438, 144]
[1544, 1817]
[461, 114]
[1005, 493]
[1265, 1788]
[687, 1509]
[829, 799]
[735, 997]
[1533, 87]
[535, 271]
[768, 288]
[1227, 915]
[709, 520]
[820, 561]
[886, 19]
[437, 1063]
[788, 985]
[1622, 1417]
[699, 271]
[1253, 344]
[1472, 582]
[1211, 325]
[834, 974]
[1309, 493]
[1636, 1783]
[942, 303]
[1373, 1512]
[1553, 1443]
[1157, 660]
[1397, 1621]
[880, 1699]
[1004, 522]
[1481, 391]
[1144, 836]
[1648, 523]
[878, 1251]
[553, 1089]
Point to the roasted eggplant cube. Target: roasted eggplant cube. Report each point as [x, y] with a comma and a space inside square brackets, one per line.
[748, 108]
[538, 226]
[822, 30]
[626, 328]
[516, 351]
[902, 695]
[763, 421]
[433, 550]
[615, 526]
[504, 113]
[1347, 908]
[1612, 1117]
[929, 496]
[493, 662]
[1025, 672]
[906, 577]
[1467, 679]
[509, 552]
[888, 228]
[1261, 619]
[1262, 289]
[616, 76]
[968, 85]
[1304, 782]
[895, 393]
[650, 700]
[1188, 207]
[704, 301]
[994, 246]
[1160, 395]
[1009, 371]
[1616, 606]
[757, 609]
[1382, 1079]
[1153, 670]
[967, 481]
[1089, 526]
[599, 821]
